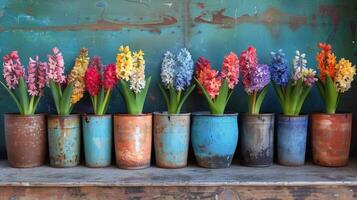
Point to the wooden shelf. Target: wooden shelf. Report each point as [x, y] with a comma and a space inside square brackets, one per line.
[189, 181]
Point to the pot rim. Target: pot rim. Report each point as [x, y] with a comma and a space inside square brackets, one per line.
[260, 114]
[293, 116]
[24, 116]
[336, 114]
[63, 116]
[165, 113]
[94, 115]
[208, 114]
[130, 115]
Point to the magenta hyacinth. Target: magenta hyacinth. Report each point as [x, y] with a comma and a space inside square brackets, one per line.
[36, 79]
[56, 67]
[12, 69]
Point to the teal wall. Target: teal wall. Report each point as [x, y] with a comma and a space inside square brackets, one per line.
[209, 28]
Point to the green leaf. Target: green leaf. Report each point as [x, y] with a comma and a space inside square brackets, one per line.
[302, 98]
[141, 96]
[23, 96]
[37, 100]
[211, 105]
[164, 93]
[129, 98]
[173, 100]
[56, 95]
[331, 95]
[14, 98]
[107, 100]
[321, 88]
[184, 97]
[260, 98]
[280, 94]
[221, 99]
[66, 100]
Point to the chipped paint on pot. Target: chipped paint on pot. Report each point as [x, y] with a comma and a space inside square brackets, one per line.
[292, 131]
[97, 139]
[64, 140]
[171, 139]
[257, 139]
[26, 140]
[214, 139]
[331, 138]
[132, 140]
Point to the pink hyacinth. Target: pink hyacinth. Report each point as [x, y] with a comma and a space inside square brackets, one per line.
[109, 77]
[12, 69]
[36, 79]
[56, 67]
[248, 63]
[230, 69]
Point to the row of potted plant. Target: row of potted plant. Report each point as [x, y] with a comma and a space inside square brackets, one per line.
[214, 134]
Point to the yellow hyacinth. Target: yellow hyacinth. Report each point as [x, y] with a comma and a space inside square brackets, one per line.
[124, 63]
[344, 75]
[77, 75]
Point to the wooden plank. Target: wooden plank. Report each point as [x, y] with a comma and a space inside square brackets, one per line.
[168, 193]
[307, 175]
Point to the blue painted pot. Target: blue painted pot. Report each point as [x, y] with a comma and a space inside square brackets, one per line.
[64, 135]
[171, 139]
[214, 139]
[97, 139]
[292, 131]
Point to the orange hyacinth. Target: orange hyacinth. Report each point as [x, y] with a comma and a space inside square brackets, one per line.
[326, 61]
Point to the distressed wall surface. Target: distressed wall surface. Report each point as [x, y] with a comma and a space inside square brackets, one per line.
[209, 28]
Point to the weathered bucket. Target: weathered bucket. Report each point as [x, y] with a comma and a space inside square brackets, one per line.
[132, 139]
[26, 140]
[171, 139]
[292, 131]
[257, 139]
[97, 139]
[214, 139]
[64, 140]
[331, 138]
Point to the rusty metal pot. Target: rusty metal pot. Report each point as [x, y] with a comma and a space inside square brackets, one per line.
[64, 139]
[26, 140]
[331, 138]
[132, 140]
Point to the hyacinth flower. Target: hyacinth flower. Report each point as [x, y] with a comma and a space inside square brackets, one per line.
[217, 87]
[176, 76]
[130, 71]
[99, 83]
[26, 90]
[256, 78]
[293, 89]
[66, 92]
[335, 77]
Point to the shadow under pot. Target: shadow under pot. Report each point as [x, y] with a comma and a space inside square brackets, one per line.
[26, 140]
[64, 140]
[331, 138]
[214, 139]
[132, 140]
[257, 139]
[97, 139]
[291, 136]
[171, 139]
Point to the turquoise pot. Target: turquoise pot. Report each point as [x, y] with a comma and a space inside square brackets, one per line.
[64, 137]
[171, 139]
[97, 139]
[214, 139]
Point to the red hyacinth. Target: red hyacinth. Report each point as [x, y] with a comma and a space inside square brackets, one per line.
[109, 77]
[92, 81]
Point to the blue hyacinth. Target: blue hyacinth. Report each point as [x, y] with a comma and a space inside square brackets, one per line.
[279, 68]
[177, 72]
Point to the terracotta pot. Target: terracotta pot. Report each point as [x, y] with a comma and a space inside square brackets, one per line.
[64, 139]
[331, 138]
[132, 140]
[26, 140]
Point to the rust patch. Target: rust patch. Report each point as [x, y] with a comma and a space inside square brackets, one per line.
[200, 5]
[102, 25]
[269, 17]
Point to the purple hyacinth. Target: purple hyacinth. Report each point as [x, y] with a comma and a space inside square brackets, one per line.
[279, 68]
[259, 78]
[184, 70]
